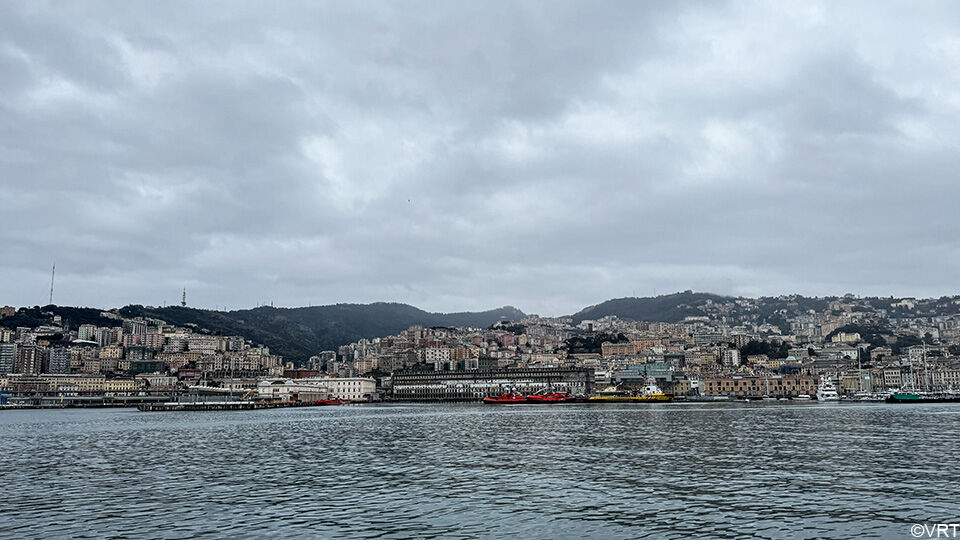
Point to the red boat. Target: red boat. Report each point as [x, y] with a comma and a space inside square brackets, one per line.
[549, 397]
[331, 402]
[506, 398]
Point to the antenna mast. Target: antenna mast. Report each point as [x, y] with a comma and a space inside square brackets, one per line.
[53, 273]
[183, 299]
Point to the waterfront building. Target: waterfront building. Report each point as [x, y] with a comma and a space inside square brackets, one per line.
[478, 384]
[347, 388]
[680, 387]
[288, 390]
[158, 382]
[892, 377]
[87, 384]
[775, 386]
[120, 386]
[946, 378]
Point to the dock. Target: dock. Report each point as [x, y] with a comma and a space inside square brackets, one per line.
[174, 406]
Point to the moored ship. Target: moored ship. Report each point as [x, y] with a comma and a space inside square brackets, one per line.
[922, 397]
[505, 398]
[651, 392]
[549, 397]
[827, 391]
[866, 397]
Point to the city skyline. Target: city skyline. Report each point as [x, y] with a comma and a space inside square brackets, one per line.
[483, 308]
[547, 156]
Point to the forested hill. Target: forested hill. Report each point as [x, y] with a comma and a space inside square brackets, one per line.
[665, 308]
[298, 333]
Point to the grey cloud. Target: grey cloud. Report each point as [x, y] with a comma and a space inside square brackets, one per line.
[547, 155]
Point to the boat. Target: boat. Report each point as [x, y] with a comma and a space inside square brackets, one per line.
[505, 398]
[203, 390]
[651, 392]
[922, 397]
[827, 391]
[548, 397]
[868, 396]
[701, 399]
[803, 397]
[332, 402]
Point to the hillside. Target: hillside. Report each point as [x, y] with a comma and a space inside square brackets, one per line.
[72, 317]
[664, 308]
[298, 333]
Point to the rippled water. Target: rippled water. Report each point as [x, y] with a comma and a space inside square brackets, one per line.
[466, 471]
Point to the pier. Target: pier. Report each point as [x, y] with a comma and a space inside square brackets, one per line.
[173, 406]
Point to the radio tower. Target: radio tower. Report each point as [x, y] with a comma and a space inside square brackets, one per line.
[52, 274]
[183, 299]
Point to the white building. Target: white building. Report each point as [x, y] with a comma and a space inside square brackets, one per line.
[437, 355]
[441, 359]
[347, 388]
[292, 391]
[87, 332]
[731, 358]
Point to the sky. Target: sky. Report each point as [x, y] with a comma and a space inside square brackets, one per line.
[467, 155]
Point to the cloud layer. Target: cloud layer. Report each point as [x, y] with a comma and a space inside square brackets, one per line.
[548, 155]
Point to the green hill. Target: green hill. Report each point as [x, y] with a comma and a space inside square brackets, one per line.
[295, 333]
[664, 308]
[298, 333]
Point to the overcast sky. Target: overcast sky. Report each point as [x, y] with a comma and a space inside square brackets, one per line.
[462, 156]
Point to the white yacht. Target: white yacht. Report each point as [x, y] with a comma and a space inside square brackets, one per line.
[827, 391]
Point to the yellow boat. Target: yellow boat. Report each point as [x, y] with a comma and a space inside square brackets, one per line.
[628, 399]
[651, 392]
